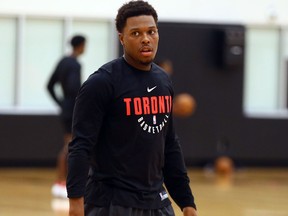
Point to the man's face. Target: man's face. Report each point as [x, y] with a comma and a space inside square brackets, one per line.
[140, 41]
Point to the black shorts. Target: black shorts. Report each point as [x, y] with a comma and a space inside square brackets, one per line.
[67, 124]
[114, 210]
[66, 115]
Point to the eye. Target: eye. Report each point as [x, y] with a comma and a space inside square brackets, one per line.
[136, 33]
[152, 31]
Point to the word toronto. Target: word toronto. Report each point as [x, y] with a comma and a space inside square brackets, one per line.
[148, 105]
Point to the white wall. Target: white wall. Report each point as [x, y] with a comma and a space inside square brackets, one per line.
[270, 54]
[240, 11]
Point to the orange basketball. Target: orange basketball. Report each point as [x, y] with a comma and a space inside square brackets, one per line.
[184, 105]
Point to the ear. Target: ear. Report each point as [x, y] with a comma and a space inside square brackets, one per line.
[120, 35]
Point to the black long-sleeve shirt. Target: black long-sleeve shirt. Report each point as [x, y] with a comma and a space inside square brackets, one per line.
[68, 74]
[123, 130]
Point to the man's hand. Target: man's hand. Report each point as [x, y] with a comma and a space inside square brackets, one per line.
[76, 206]
[189, 211]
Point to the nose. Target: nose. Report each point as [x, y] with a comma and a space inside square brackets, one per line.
[145, 39]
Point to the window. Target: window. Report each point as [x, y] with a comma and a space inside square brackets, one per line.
[42, 48]
[262, 80]
[32, 48]
[96, 51]
[8, 61]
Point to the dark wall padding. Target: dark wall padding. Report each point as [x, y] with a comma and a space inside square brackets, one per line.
[29, 140]
[205, 68]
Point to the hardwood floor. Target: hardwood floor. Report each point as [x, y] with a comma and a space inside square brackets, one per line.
[248, 192]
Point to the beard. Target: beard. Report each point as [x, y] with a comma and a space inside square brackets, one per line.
[147, 61]
[139, 61]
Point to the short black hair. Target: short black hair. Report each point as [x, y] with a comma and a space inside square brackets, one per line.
[77, 40]
[131, 9]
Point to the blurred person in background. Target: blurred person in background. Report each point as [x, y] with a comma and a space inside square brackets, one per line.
[166, 64]
[67, 74]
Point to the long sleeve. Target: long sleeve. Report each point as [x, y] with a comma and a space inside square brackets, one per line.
[91, 105]
[175, 173]
[50, 86]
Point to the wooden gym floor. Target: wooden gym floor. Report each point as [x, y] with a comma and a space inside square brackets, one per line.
[249, 192]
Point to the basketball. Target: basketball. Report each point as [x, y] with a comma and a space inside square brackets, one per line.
[184, 105]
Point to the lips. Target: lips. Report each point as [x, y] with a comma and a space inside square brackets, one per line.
[146, 51]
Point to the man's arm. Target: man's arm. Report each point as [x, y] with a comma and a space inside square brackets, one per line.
[76, 206]
[50, 86]
[175, 173]
[90, 108]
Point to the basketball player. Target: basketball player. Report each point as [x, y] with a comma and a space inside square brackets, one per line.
[68, 74]
[123, 131]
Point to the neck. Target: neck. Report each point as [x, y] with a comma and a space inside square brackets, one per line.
[75, 54]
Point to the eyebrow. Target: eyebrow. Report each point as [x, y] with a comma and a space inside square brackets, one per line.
[151, 27]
